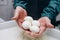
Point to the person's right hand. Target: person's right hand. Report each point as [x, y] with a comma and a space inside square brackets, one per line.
[19, 15]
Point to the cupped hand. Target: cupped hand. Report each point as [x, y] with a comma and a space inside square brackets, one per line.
[45, 23]
[19, 15]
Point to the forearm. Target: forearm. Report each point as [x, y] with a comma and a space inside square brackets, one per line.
[51, 10]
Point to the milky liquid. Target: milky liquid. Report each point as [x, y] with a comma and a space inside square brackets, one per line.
[17, 34]
[46, 37]
[43, 37]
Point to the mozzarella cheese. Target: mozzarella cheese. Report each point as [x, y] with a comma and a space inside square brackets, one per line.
[28, 18]
[36, 23]
[34, 29]
[26, 25]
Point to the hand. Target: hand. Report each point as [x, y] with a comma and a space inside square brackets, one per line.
[44, 23]
[19, 15]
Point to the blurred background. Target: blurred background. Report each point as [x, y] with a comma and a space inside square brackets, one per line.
[7, 11]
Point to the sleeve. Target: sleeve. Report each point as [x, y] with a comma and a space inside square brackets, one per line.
[51, 10]
[21, 3]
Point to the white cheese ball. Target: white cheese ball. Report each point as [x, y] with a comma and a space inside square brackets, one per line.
[34, 29]
[28, 18]
[26, 25]
[36, 23]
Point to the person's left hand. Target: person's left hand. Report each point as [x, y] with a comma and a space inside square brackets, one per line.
[45, 22]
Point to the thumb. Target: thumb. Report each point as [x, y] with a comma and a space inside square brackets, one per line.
[16, 13]
[15, 17]
[49, 25]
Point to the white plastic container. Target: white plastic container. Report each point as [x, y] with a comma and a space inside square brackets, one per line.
[16, 33]
[1, 20]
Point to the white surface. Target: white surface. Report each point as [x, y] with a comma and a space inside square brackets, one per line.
[8, 24]
[1, 20]
[6, 9]
[11, 34]
[3, 2]
[16, 33]
[54, 33]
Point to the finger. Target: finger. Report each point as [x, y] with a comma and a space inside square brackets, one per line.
[27, 32]
[20, 20]
[20, 25]
[30, 33]
[15, 17]
[49, 25]
[35, 35]
[25, 12]
[22, 15]
[42, 29]
[16, 14]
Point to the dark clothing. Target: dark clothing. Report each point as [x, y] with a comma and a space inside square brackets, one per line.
[39, 8]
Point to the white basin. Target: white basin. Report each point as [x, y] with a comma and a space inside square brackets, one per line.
[1, 20]
[14, 32]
